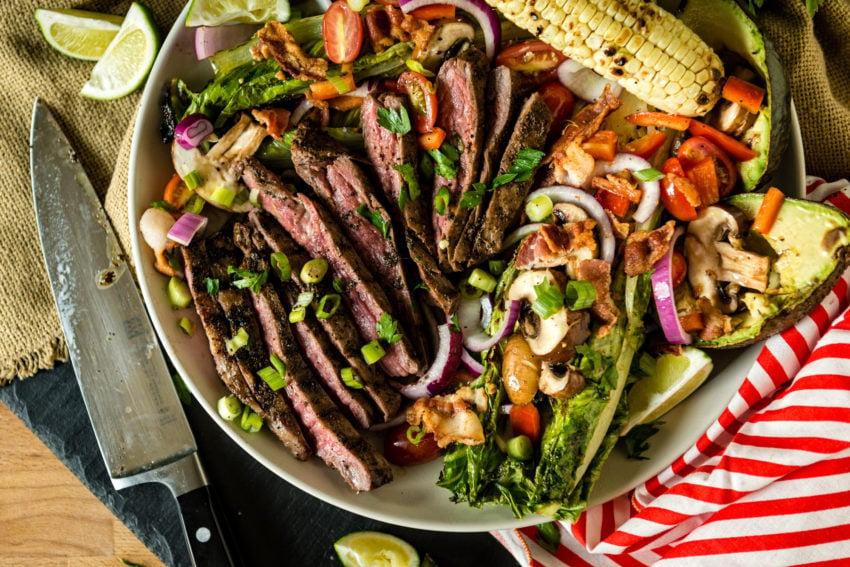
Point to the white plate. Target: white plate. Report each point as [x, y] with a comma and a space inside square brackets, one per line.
[412, 499]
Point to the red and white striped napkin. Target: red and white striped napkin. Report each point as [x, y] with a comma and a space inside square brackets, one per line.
[767, 484]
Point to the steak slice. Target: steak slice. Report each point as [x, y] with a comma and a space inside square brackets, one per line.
[460, 102]
[504, 97]
[335, 439]
[345, 191]
[338, 330]
[441, 291]
[315, 230]
[506, 202]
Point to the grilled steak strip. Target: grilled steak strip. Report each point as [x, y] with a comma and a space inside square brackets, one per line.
[505, 207]
[504, 97]
[339, 329]
[387, 151]
[460, 102]
[275, 410]
[315, 230]
[335, 439]
[343, 188]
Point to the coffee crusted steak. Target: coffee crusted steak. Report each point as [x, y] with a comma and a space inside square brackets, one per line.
[503, 99]
[334, 438]
[505, 207]
[333, 340]
[388, 151]
[315, 230]
[343, 188]
[460, 86]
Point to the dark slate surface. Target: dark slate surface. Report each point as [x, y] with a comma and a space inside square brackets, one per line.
[273, 522]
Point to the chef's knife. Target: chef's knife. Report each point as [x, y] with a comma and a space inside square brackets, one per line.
[140, 426]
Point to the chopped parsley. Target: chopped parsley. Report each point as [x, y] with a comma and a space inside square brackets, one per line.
[247, 279]
[211, 285]
[396, 121]
[375, 218]
[523, 166]
[387, 329]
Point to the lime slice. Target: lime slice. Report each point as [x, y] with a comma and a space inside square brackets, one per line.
[217, 12]
[128, 59]
[78, 33]
[375, 549]
[675, 378]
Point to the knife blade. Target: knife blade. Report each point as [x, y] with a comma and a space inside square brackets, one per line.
[141, 430]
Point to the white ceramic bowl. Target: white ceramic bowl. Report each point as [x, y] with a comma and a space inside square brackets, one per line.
[412, 499]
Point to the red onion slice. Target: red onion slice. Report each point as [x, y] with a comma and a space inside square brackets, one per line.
[567, 194]
[192, 130]
[583, 82]
[209, 40]
[665, 297]
[483, 14]
[651, 190]
[186, 227]
[480, 341]
[442, 371]
[471, 363]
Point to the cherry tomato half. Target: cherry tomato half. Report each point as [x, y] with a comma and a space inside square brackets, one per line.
[696, 148]
[536, 60]
[342, 32]
[399, 450]
[561, 103]
[423, 99]
[679, 268]
[678, 194]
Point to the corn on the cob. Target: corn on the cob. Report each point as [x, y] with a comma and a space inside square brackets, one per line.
[647, 50]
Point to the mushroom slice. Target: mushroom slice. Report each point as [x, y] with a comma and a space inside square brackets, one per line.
[544, 335]
[741, 267]
[449, 38]
[560, 381]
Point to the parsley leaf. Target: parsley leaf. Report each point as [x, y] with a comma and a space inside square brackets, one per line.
[408, 175]
[441, 200]
[211, 285]
[375, 218]
[396, 121]
[387, 329]
[445, 161]
[474, 196]
[247, 279]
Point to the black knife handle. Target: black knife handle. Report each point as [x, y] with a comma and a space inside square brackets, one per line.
[204, 533]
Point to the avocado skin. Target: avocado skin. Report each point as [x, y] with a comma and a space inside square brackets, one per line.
[798, 308]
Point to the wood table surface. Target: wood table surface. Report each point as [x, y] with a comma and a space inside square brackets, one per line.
[48, 518]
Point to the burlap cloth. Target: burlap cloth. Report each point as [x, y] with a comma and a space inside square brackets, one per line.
[815, 53]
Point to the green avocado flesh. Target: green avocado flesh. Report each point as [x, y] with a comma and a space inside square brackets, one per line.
[724, 26]
[810, 245]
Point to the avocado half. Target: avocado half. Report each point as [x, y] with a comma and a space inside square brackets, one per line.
[724, 26]
[810, 246]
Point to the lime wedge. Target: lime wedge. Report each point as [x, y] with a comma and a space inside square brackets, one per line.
[78, 33]
[217, 12]
[675, 378]
[375, 549]
[128, 59]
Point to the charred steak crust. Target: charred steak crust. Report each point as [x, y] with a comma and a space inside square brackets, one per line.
[316, 231]
[460, 86]
[504, 97]
[505, 207]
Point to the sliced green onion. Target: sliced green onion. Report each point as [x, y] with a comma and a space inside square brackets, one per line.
[482, 280]
[418, 67]
[350, 378]
[648, 174]
[415, 434]
[328, 305]
[339, 83]
[313, 271]
[305, 298]
[273, 377]
[539, 208]
[372, 352]
[468, 291]
[338, 285]
[223, 196]
[179, 295]
[193, 180]
[211, 285]
[297, 314]
[278, 364]
[186, 325]
[357, 5]
[548, 301]
[299, 310]
[580, 294]
[250, 422]
[195, 205]
[520, 447]
[163, 206]
[280, 264]
[441, 200]
[229, 408]
[239, 340]
[496, 267]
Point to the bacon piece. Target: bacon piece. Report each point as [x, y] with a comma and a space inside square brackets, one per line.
[598, 272]
[276, 120]
[386, 25]
[644, 248]
[276, 42]
[450, 418]
[557, 245]
[619, 186]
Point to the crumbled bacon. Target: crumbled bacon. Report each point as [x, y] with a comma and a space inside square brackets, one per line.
[598, 272]
[276, 42]
[451, 418]
[275, 120]
[619, 186]
[386, 25]
[558, 245]
[716, 323]
[621, 229]
[644, 248]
